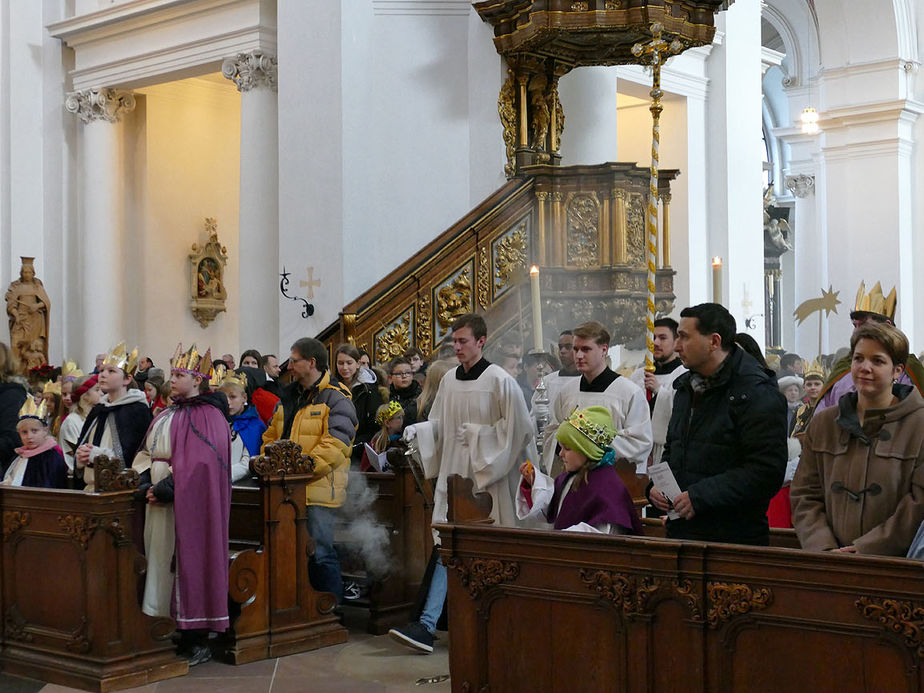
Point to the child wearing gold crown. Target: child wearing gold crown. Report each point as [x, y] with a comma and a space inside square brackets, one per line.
[390, 418]
[588, 496]
[39, 462]
[246, 426]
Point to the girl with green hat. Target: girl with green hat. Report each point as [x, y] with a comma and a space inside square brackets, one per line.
[588, 495]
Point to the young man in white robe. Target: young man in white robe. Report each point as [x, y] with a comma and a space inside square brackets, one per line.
[659, 386]
[478, 428]
[600, 386]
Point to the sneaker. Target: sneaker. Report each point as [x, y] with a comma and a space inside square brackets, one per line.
[414, 635]
[352, 591]
[198, 654]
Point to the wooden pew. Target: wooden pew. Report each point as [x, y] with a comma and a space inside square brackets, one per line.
[405, 514]
[547, 611]
[70, 601]
[280, 613]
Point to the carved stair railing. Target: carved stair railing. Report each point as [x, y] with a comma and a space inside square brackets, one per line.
[584, 226]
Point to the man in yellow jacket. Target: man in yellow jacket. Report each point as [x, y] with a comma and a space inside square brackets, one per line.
[319, 416]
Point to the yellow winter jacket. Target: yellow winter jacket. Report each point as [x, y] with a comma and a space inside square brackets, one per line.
[323, 421]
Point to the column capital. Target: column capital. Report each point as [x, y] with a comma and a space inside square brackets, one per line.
[800, 185]
[100, 104]
[251, 70]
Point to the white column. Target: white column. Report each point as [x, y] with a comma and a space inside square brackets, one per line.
[255, 76]
[102, 216]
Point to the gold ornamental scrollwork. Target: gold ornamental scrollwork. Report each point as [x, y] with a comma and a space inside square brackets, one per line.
[484, 270]
[727, 600]
[13, 521]
[280, 459]
[507, 110]
[478, 575]
[510, 254]
[583, 240]
[635, 230]
[424, 320]
[79, 527]
[453, 297]
[903, 618]
[395, 338]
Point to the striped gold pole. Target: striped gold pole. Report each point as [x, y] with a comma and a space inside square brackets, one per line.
[654, 53]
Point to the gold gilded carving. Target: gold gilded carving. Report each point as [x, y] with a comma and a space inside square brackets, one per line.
[109, 475]
[583, 214]
[507, 110]
[509, 256]
[395, 339]
[454, 298]
[484, 270]
[613, 4]
[280, 459]
[727, 600]
[207, 283]
[539, 127]
[580, 6]
[635, 231]
[13, 521]
[480, 574]
[903, 618]
[79, 527]
[349, 327]
[424, 318]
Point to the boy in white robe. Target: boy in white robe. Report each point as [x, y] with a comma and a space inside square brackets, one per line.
[480, 429]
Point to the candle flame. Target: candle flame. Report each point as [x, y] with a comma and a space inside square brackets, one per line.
[716, 261]
[533, 271]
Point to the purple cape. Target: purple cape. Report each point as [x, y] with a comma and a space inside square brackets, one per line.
[200, 441]
[603, 499]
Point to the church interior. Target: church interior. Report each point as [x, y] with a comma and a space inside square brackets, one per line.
[240, 174]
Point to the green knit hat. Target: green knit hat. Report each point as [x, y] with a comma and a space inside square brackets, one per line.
[589, 431]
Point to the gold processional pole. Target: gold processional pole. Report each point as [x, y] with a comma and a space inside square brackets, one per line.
[654, 54]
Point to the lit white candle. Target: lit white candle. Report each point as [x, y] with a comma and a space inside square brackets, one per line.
[537, 308]
[716, 279]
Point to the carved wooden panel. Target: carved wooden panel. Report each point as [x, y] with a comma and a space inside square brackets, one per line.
[451, 298]
[395, 338]
[510, 254]
[582, 211]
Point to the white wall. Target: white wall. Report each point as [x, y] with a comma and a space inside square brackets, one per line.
[184, 141]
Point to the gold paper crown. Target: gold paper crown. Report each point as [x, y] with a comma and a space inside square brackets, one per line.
[119, 358]
[192, 361]
[234, 379]
[596, 433]
[875, 301]
[30, 410]
[69, 371]
[217, 374]
[815, 369]
[388, 411]
[51, 388]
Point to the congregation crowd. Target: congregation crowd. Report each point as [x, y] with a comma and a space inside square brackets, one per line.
[734, 445]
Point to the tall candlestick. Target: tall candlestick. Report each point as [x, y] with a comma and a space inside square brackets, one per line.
[717, 279]
[537, 308]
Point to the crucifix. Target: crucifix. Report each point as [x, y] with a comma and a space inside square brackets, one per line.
[310, 284]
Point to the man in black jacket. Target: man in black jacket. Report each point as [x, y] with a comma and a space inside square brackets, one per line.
[726, 442]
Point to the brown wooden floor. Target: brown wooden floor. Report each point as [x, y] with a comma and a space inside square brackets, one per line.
[365, 664]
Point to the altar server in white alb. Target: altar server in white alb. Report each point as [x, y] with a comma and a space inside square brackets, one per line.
[600, 386]
[480, 429]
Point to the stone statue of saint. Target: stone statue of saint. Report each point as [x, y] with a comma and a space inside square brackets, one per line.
[27, 306]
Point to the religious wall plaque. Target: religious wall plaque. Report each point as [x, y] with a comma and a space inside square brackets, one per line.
[207, 276]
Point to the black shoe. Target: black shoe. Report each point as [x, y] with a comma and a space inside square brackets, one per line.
[414, 635]
[352, 591]
[198, 654]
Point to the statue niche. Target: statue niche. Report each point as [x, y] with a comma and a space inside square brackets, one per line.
[27, 306]
[207, 276]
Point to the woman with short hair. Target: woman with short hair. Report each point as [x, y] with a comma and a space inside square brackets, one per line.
[859, 487]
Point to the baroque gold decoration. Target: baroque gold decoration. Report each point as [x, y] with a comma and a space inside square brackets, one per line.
[79, 527]
[207, 276]
[110, 475]
[282, 458]
[424, 318]
[727, 600]
[452, 298]
[903, 618]
[583, 215]
[510, 255]
[395, 338]
[13, 521]
[478, 575]
[507, 110]
[579, 6]
[484, 270]
[539, 127]
[556, 108]
[635, 230]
